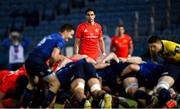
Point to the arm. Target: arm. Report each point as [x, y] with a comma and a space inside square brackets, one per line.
[55, 56]
[135, 60]
[134, 68]
[112, 46]
[63, 63]
[88, 59]
[76, 45]
[110, 57]
[102, 47]
[131, 48]
[6, 43]
[101, 65]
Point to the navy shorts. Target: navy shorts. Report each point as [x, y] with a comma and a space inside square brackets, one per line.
[150, 73]
[36, 66]
[174, 70]
[84, 70]
[110, 73]
[73, 70]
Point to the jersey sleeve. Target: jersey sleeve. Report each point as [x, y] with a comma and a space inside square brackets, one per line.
[100, 31]
[112, 41]
[130, 40]
[174, 47]
[78, 31]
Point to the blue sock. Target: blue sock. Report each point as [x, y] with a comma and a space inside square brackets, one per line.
[142, 95]
[26, 97]
[48, 99]
[164, 96]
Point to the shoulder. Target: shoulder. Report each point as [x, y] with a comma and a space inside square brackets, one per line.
[98, 25]
[55, 35]
[168, 43]
[82, 24]
[114, 37]
[127, 36]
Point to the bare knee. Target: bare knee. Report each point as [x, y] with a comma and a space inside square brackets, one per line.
[77, 84]
[134, 67]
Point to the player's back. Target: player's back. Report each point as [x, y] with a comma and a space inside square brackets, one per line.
[47, 44]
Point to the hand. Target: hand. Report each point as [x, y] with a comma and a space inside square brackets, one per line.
[110, 57]
[63, 63]
[129, 55]
[104, 54]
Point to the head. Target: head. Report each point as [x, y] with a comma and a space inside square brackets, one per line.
[14, 35]
[22, 82]
[67, 31]
[90, 15]
[120, 30]
[155, 44]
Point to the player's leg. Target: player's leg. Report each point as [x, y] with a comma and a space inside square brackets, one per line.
[28, 92]
[78, 87]
[95, 85]
[162, 89]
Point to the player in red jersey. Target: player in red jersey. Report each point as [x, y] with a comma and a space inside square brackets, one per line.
[122, 43]
[12, 84]
[89, 37]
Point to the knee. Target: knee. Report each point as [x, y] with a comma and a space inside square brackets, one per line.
[133, 67]
[131, 88]
[54, 83]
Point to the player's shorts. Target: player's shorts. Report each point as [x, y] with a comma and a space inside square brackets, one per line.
[150, 73]
[74, 70]
[36, 66]
[65, 74]
[84, 70]
[110, 73]
[174, 70]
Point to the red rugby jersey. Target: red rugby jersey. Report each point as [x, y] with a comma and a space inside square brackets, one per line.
[121, 45]
[89, 39]
[9, 80]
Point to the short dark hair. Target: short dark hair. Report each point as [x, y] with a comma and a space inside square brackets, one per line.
[89, 9]
[67, 27]
[120, 25]
[22, 81]
[154, 39]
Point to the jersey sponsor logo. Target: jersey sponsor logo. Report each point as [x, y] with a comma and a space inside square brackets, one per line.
[125, 41]
[97, 30]
[177, 49]
[90, 36]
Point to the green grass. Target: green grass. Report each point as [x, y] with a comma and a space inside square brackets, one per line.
[131, 103]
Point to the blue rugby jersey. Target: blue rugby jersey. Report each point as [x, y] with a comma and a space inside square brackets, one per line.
[45, 47]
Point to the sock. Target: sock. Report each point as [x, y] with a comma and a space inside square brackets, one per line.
[82, 102]
[48, 99]
[142, 95]
[27, 97]
[164, 96]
